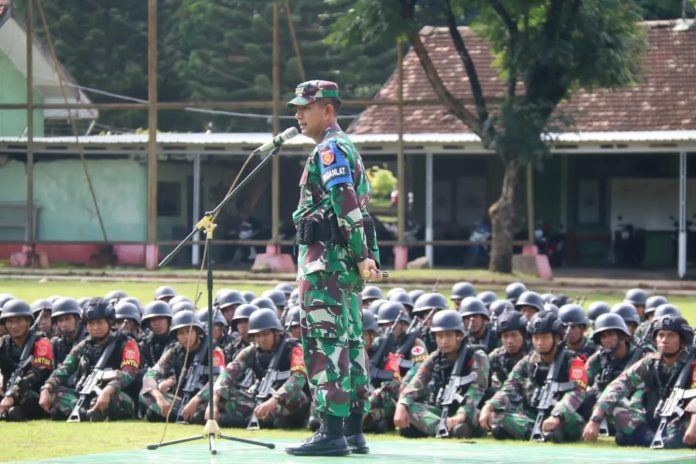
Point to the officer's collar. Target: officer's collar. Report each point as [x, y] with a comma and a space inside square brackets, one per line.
[330, 130]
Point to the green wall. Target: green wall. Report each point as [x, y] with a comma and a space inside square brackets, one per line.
[13, 89]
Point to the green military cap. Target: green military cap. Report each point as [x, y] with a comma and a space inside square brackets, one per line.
[310, 91]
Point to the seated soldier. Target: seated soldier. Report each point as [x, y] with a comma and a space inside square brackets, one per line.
[477, 321]
[575, 320]
[117, 355]
[42, 310]
[512, 411]
[26, 360]
[422, 405]
[512, 327]
[169, 373]
[239, 330]
[66, 316]
[293, 322]
[425, 306]
[237, 399]
[156, 319]
[656, 374]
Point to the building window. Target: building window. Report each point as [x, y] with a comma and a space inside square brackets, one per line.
[168, 199]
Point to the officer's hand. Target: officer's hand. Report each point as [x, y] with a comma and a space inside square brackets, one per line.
[591, 431]
[190, 408]
[166, 385]
[264, 409]
[6, 403]
[163, 405]
[690, 434]
[454, 421]
[103, 399]
[401, 417]
[486, 417]
[45, 400]
[368, 270]
[550, 424]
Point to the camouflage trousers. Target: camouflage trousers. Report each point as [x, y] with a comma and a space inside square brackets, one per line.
[239, 406]
[633, 428]
[382, 403]
[517, 422]
[426, 418]
[29, 404]
[153, 413]
[64, 400]
[334, 351]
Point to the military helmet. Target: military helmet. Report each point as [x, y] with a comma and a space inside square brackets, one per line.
[279, 299]
[218, 318]
[41, 305]
[514, 290]
[293, 316]
[264, 302]
[229, 298]
[636, 297]
[676, 324]
[487, 297]
[164, 292]
[264, 319]
[627, 311]
[447, 319]
[511, 320]
[63, 306]
[415, 294]
[185, 318]
[390, 311]
[294, 298]
[471, 306]
[552, 308]
[402, 298]
[371, 292]
[243, 312]
[653, 302]
[53, 298]
[5, 297]
[127, 310]
[178, 299]
[286, 288]
[15, 308]
[374, 306]
[98, 308]
[544, 322]
[369, 322]
[596, 309]
[573, 314]
[499, 307]
[609, 321]
[248, 296]
[428, 301]
[157, 308]
[461, 290]
[667, 309]
[183, 305]
[529, 298]
[136, 302]
[395, 290]
[114, 296]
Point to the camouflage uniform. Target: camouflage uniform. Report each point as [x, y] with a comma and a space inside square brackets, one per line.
[153, 346]
[588, 349]
[334, 183]
[489, 341]
[515, 414]
[635, 426]
[383, 398]
[502, 364]
[171, 366]
[62, 346]
[26, 391]
[124, 360]
[237, 383]
[421, 394]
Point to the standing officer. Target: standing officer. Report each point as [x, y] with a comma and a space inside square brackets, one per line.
[337, 250]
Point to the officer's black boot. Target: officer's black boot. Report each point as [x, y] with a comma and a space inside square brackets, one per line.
[354, 434]
[313, 423]
[327, 441]
[16, 414]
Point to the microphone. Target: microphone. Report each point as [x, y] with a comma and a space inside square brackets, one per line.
[278, 140]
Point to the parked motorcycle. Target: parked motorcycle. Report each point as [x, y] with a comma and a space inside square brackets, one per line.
[629, 245]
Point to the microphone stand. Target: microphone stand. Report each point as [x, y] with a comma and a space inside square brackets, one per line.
[211, 431]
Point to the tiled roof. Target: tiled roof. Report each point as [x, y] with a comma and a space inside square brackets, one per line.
[664, 99]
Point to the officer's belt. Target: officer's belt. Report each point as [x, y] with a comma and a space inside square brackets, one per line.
[310, 231]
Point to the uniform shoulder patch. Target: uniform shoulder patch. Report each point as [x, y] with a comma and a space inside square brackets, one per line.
[218, 358]
[42, 353]
[334, 166]
[297, 360]
[578, 374]
[130, 358]
[326, 155]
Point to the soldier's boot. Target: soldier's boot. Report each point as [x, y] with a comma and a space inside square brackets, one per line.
[462, 431]
[327, 441]
[229, 421]
[96, 415]
[152, 416]
[412, 432]
[16, 414]
[354, 434]
[640, 436]
[555, 436]
[499, 433]
[313, 423]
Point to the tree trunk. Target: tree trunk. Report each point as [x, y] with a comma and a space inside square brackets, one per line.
[502, 215]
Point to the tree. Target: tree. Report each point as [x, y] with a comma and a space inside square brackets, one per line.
[549, 48]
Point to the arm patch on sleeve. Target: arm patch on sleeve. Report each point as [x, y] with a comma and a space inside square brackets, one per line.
[334, 166]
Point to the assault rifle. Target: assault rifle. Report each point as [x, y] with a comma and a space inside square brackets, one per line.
[377, 359]
[450, 393]
[194, 374]
[671, 405]
[264, 388]
[545, 397]
[91, 383]
[414, 331]
[25, 359]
